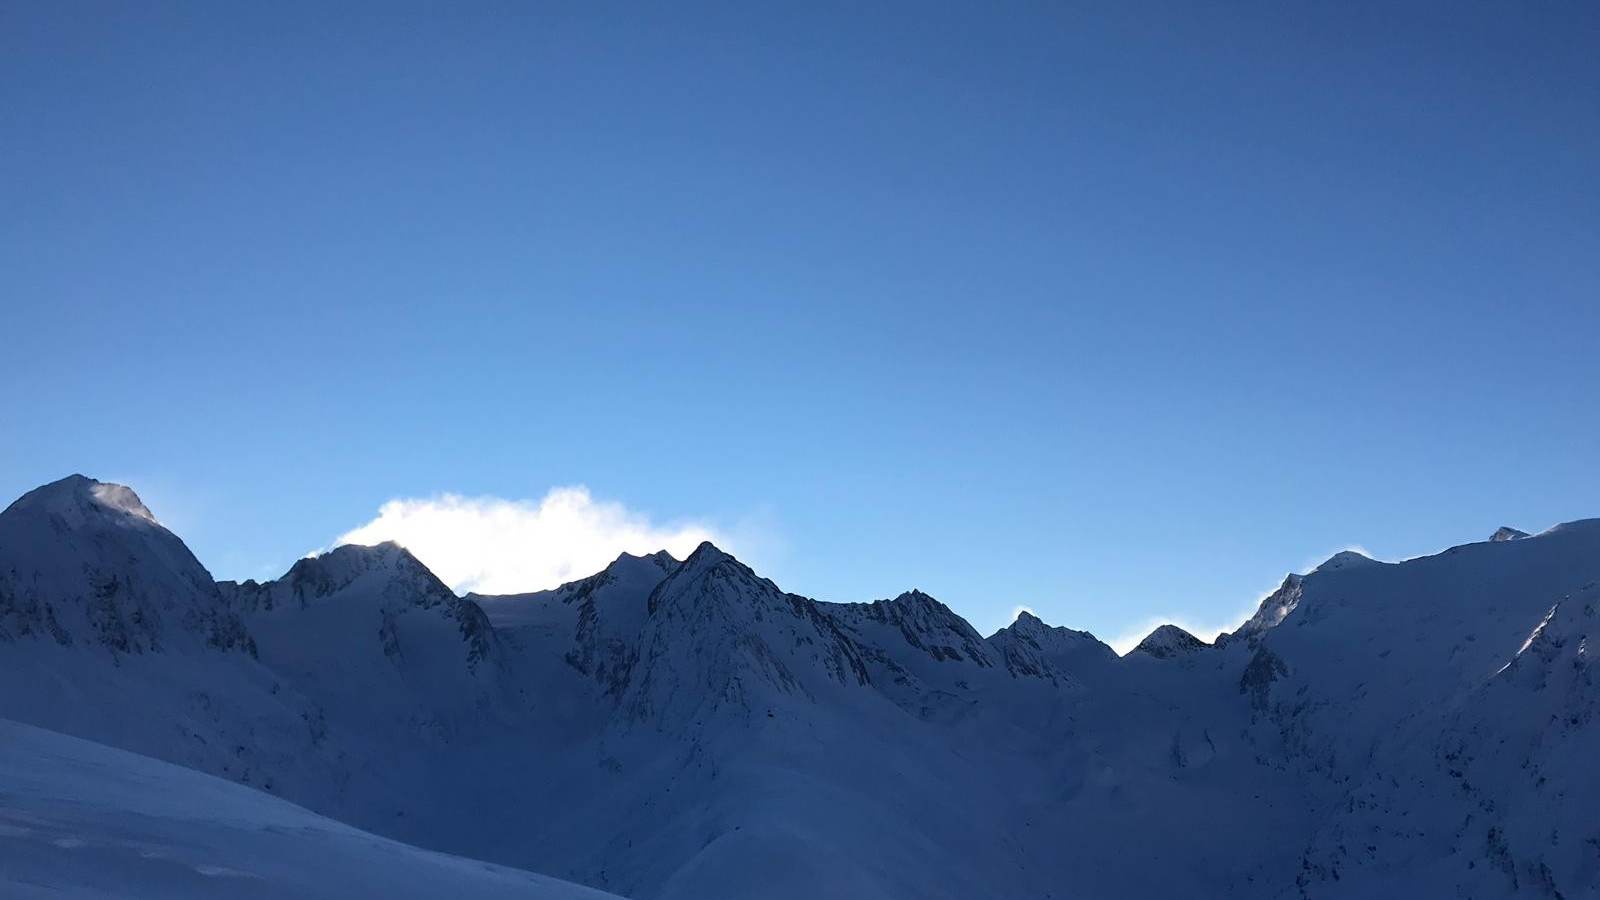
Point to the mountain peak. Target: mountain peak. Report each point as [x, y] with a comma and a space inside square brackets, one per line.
[365, 556]
[661, 560]
[707, 561]
[121, 579]
[1029, 646]
[1027, 621]
[1507, 533]
[1028, 624]
[1274, 608]
[917, 596]
[337, 568]
[1168, 641]
[919, 622]
[707, 554]
[77, 496]
[1345, 559]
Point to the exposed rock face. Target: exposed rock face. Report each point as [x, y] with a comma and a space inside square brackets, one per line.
[1506, 533]
[1264, 668]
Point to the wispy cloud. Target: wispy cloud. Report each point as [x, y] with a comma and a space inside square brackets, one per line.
[494, 545]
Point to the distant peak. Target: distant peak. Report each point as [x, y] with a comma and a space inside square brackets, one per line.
[1345, 559]
[707, 554]
[1168, 641]
[919, 603]
[352, 558]
[660, 558]
[1507, 533]
[1029, 625]
[380, 550]
[1273, 609]
[81, 495]
[347, 562]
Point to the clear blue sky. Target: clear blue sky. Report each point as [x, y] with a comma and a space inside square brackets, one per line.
[1114, 311]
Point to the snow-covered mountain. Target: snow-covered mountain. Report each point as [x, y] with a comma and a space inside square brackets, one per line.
[370, 633]
[667, 729]
[1169, 641]
[110, 629]
[85, 563]
[1030, 648]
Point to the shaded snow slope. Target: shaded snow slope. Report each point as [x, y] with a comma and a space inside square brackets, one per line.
[592, 623]
[82, 821]
[1449, 704]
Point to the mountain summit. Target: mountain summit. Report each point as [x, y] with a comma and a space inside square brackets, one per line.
[85, 561]
[77, 498]
[1169, 641]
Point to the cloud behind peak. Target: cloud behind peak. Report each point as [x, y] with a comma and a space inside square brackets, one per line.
[493, 545]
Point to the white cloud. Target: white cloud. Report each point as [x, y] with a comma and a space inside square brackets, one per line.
[496, 546]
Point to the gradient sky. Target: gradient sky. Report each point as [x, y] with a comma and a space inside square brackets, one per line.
[1114, 311]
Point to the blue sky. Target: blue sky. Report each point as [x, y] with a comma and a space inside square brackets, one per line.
[1117, 313]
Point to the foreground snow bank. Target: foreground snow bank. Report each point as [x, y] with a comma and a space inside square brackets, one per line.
[81, 820]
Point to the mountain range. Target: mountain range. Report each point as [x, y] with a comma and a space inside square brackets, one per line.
[688, 729]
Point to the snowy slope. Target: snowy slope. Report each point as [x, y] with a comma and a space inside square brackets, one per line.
[80, 820]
